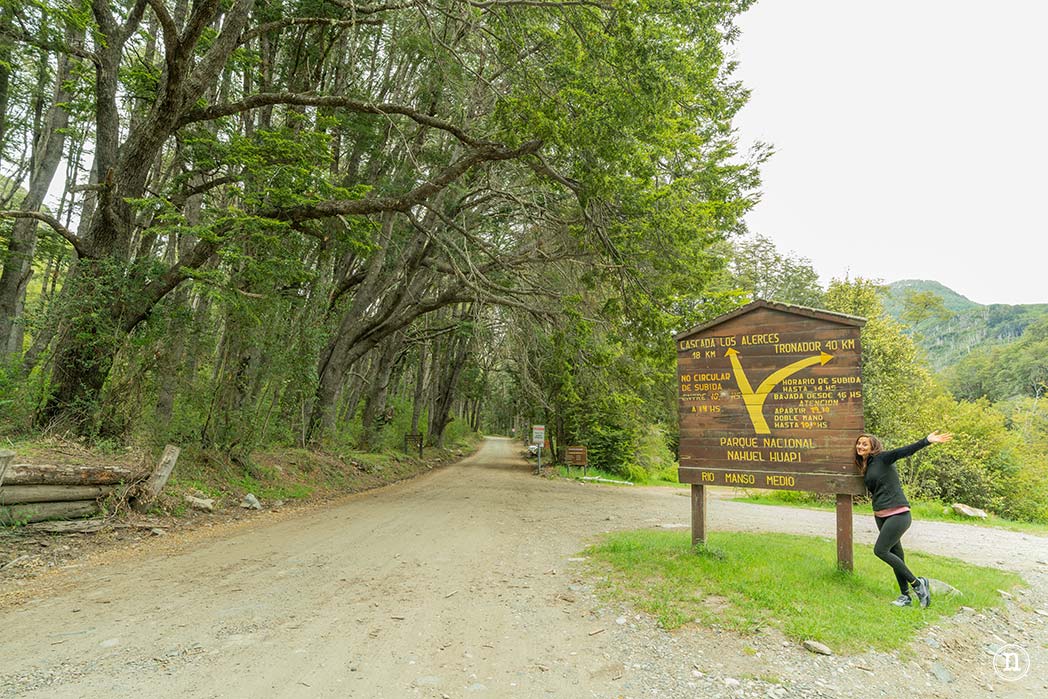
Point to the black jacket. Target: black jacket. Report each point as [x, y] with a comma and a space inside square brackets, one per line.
[882, 480]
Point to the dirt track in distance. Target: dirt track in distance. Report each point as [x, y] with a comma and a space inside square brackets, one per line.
[462, 583]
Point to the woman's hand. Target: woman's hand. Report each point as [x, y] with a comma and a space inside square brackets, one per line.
[938, 438]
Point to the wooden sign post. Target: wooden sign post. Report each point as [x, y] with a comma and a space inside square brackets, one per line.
[577, 457]
[771, 397]
[6, 457]
[412, 442]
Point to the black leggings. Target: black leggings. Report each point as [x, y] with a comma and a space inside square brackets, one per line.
[889, 546]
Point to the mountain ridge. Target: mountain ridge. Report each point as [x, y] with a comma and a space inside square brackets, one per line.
[970, 325]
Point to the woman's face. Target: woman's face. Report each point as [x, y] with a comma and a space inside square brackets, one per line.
[862, 446]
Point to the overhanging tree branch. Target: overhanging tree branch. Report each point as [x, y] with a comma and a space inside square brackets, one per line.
[357, 207]
[175, 275]
[168, 32]
[352, 6]
[211, 64]
[22, 36]
[78, 244]
[180, 198]
[304, 21]
[133, 19]
[218, 111]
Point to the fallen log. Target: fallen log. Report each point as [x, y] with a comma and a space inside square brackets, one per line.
[22, 494]
[598, 479]
[49, 474]
[81, 526]
[41, 511]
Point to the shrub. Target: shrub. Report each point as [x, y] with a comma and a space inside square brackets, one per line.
[612, 449]
[653, 455]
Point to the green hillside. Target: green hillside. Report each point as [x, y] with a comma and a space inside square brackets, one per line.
[969, 325]
[896, 292]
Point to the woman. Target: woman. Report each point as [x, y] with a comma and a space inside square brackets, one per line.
[891, 509]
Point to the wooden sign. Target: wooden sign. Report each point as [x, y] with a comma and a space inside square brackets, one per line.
[413, 441]
[771, 397]
[577, 456]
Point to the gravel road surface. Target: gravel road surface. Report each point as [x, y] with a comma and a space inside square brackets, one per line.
[466, 583]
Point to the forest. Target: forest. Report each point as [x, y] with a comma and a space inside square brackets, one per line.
[249, 224]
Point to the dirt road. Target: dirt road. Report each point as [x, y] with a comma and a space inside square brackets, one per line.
[462, 583]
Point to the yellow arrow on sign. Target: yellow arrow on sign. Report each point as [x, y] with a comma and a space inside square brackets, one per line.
[754, 400]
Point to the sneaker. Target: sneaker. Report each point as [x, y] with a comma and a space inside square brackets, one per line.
[903, 601]
[923, 592]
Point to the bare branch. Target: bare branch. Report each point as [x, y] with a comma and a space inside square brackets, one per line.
[537, 3]
[175, 275]
[483, 288]
[541, 167]
[24, 37]
[203, 14]
[218, 111]
[211, 64]
[304, 21]
[133, 19]
[76, 242]
[180, 198]
[169, 32]
[356, 207]
[370, 9]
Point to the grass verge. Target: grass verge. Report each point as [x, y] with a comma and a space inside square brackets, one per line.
[301, 474]
[745, 581]
[931, 511]
[274, 474]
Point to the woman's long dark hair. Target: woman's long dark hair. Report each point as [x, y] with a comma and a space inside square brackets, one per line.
[875, 448]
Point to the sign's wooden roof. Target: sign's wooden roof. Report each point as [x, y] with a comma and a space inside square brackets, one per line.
[817, 313]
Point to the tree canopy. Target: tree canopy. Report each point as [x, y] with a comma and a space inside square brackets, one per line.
[278, 206]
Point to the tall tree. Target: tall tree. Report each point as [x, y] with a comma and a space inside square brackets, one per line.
[410, 158]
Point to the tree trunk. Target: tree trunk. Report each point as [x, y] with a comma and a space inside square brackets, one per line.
[232, 426]
[474, 422]
[82, 363]
[112, 280]
[445, 379]
[351, 393]
[48, 145]
[172, 354]
[375, 400]
[6, 52]
[420, 388]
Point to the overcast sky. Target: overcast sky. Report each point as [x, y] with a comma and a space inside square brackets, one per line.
[911, 139]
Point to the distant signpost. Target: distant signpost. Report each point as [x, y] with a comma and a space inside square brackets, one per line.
[577, 457]
[538, 437]
[771, 397]
[413, 441]
[538, 434]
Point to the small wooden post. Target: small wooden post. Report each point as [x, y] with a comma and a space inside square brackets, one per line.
[698, 514]
[844, 532]
[158, 479]
[6, 456]
[413, 441]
